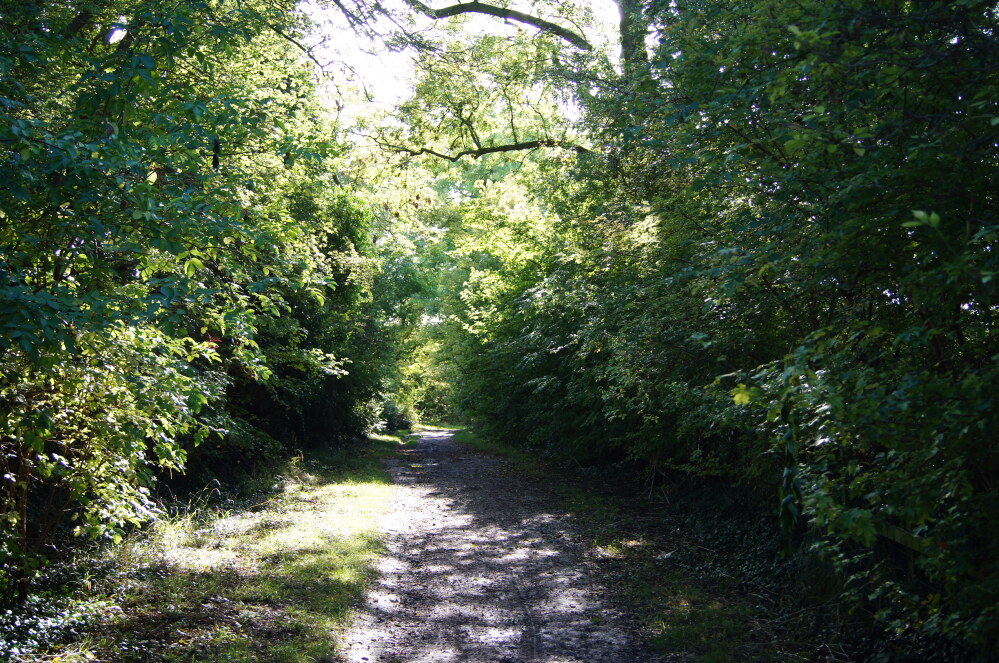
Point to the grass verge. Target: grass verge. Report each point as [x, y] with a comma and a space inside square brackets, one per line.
[396, 440]
[270, 580]
[525, 461]
[674, 572]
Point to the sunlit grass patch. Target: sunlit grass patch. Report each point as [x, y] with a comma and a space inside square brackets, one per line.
[393, 442]
[273, 580]
[437, 425]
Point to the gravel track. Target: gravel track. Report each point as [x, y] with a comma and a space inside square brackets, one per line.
[482, 568]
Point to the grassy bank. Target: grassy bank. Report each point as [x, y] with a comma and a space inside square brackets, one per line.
[268, 576]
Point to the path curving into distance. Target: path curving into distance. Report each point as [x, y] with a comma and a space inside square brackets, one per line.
[482, 568]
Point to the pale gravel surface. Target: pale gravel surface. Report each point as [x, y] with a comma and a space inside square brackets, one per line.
[482, 567]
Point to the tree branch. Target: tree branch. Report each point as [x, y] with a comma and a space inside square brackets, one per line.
[309, 53]
[297, 44]
[473, 134]
[75, 26]
[482, 151]
[476, 7]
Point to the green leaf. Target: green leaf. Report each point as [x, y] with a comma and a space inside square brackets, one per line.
[192, 265]
[744, 395]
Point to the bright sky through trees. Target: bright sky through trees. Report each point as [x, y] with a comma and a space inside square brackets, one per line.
[368, 67]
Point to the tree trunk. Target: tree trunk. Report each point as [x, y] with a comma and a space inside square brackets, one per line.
[634, 28]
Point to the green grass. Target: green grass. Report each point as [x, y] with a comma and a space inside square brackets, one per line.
[683, 607]
[271, 581]
[524, 460]
[394, 441]
[438, 425]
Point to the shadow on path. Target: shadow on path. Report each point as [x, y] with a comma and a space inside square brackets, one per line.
[481, 568]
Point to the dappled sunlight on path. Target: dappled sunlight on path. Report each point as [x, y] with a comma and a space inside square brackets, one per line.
[481, 568]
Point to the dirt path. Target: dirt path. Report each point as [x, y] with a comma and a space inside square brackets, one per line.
[483, 568]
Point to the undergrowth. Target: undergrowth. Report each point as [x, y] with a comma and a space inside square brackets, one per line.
[253, 576]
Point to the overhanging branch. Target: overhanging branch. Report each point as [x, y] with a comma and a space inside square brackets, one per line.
[493, 149]
[476, 7]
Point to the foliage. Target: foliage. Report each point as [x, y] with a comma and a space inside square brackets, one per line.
[174, 259]
[823, 129]
[760, 252]
[777, 270]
